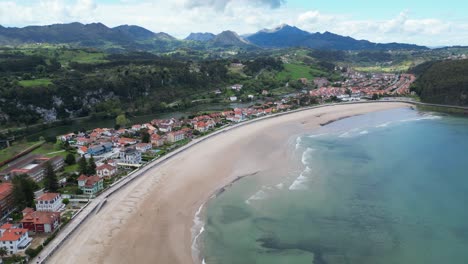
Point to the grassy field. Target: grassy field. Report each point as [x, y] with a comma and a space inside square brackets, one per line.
[295, 71]
[402, 67]
[35, 83]
[50, 150]
[16, 148]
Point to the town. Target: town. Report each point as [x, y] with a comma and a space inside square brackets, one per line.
[95, 160]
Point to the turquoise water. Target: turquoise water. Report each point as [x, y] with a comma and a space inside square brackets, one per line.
[388, 187]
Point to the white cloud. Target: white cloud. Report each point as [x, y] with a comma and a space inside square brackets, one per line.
[180, 17]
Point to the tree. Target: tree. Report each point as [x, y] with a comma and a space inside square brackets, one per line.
[51, 183]
[66, 201]
[3, 251]
[145, 136]
[70, 159]
[91, 170]
[23, 191]
[121, 120]
[82, 165]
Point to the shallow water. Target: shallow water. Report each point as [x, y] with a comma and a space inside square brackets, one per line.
[386, 187]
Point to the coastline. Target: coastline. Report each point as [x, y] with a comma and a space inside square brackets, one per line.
[152, 218]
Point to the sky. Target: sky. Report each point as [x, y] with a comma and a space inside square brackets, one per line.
[425, 22]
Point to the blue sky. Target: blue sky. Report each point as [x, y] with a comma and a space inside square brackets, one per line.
[432, 23]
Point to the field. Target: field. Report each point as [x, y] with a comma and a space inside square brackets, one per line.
[65, 56]
[35, 83]
[402, 67]
[16, 148]
[50, 150]
[295, 71]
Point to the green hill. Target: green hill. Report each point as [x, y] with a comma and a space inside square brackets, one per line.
[442, 82]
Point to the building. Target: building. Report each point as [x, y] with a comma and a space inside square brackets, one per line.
[14, 239]
[175, 136]
[106, 171]
[157, 140]
[6, 198]
[33, 166]
[233, 98]
[49, 202]
[143, 147]
[99, 149]
[130, 156]
[40, 221]
[90, 184]
[237, 87]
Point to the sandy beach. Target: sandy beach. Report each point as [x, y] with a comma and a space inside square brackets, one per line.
[151, 219]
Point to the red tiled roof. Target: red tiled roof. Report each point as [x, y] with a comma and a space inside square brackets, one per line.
[40, 217]
[5, 190]
[105, 166]
[13, 234]
[48, 196]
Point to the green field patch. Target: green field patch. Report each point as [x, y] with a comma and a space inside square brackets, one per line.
[293, 71]
[35, 82]
[15, 149]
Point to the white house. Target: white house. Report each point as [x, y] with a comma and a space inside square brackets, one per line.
[237, 87]
[14, 239]
[233, 98]
[130, 156]
[106, 171]
[49, 202]
[143, 147]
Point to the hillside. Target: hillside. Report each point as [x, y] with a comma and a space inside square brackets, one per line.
[202, 37]
[443, 82]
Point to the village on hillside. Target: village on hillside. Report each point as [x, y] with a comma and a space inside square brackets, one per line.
[101, 157]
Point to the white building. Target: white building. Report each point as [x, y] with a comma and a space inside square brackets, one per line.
[106, 171]
[130, 156]
[14, 239]
[233, 98]
[49, 202]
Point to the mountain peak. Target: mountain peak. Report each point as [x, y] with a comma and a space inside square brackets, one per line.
[229, 38]
[203, 37]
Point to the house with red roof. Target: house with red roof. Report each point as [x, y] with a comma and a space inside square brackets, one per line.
[40, 221]
[14, 239]
[106, 171]
[90, 184]
[143, 147]
[157, 140]
[49, 202]
[175, 136]
[6, 198]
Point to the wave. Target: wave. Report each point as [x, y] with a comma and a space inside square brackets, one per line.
[306, 155]
[364, 132]
[384, 124]
[260, 195]
[197, 230]
[300, 182]
[280, 186]
[317, 135]
[427, 117]
[298, 142]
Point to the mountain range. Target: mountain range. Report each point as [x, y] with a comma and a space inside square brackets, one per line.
[127, 37]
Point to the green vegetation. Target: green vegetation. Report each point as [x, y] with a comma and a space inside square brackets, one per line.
[35, 83]
[442, 82]
[23, 191]
[50, 179]
[16, 148]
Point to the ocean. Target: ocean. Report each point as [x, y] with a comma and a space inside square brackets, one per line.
[381, 188]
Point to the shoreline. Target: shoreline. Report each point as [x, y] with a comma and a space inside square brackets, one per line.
[150, 220]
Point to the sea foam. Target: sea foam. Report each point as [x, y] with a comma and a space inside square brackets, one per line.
[197, 230]
[300, 182]
[260, 195]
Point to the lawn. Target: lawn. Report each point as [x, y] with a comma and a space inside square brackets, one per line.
[15, 149]
[35, 83]
[50, 150]
[401, 67]
[295, 71]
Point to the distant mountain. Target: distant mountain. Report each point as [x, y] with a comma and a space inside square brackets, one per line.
[229, 39]
[92, 35]
[128, 37]
[202, 37]
[288, 36]
[280, 37]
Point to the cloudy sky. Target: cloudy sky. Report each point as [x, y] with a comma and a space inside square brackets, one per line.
[425, 22]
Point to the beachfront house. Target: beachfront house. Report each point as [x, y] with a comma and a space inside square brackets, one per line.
[90, 184]
[14, 239]
[157, 140]
[39, 221]
[106, 171]
[49, 202]
[130, 156]
[175, 136]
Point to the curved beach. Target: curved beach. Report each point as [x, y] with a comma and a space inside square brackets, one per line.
[151, 219]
